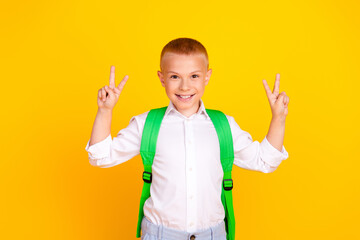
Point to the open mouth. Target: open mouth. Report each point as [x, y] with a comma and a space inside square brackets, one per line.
[184, 98]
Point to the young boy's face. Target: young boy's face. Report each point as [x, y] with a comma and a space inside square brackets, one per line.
[184, 78]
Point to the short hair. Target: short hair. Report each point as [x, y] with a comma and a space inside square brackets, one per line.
[184, 46]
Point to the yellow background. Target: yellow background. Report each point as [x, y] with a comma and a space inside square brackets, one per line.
[55, 55]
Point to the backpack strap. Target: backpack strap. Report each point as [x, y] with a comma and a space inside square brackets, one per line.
[147, 152]
[223, 131]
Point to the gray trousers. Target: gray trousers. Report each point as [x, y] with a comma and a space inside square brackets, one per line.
[151, 231]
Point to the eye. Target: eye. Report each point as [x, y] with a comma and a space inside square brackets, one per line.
[173, 76]
[195, 76]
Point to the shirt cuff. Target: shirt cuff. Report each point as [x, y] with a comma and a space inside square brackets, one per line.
[100, 149]
[272, 155]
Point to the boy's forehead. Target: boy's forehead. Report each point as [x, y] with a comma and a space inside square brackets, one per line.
[176, 60]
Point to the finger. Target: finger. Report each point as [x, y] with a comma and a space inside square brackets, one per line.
[109, 91]
[103, 94]
[280, 99]
[117, 91]
[112, 77]
[99, 93]
[283, 97]
[287, 101]
[122, 83]
[267, 89]
[277, 84]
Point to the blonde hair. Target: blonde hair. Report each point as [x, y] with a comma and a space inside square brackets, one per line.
[184, 46]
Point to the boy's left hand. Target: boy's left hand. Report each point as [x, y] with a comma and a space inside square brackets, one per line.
[278, 102]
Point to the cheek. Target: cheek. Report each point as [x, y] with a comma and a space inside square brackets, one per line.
[170, 87]
[200, 86]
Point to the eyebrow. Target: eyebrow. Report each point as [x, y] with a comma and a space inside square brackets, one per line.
[190, 73]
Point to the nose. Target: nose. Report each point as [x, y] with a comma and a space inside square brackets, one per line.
[184, 85]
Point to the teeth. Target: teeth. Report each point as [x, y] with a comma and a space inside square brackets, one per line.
[185, 96]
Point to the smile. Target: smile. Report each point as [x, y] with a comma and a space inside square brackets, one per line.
[184, 98]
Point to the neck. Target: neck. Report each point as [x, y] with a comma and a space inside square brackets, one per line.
[189, 112]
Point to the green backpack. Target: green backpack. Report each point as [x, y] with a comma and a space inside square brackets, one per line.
[148, 149]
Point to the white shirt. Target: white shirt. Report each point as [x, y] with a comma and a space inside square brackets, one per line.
[187, 173]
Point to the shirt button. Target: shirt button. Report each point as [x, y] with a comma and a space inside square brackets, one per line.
[190, 169]
[191, 197]
[191, 224]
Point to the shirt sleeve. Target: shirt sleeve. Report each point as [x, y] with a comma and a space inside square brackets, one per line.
[126, 145]
[253, 155]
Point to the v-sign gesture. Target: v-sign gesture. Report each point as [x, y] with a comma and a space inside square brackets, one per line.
[109, 95]
[278, 102]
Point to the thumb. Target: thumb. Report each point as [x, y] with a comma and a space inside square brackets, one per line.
[280, 99]
[110, 92]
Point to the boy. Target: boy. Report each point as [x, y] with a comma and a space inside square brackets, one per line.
[186, 173]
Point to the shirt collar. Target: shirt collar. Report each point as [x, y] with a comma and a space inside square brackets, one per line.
[202, 110]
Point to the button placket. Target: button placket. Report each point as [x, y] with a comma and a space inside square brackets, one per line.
[190, 176]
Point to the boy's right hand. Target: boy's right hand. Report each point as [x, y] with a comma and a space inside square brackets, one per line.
[109, 95]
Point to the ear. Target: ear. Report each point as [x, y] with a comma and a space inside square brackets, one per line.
[208, 75]
[161, 77]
